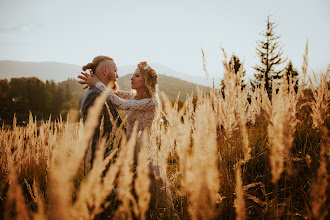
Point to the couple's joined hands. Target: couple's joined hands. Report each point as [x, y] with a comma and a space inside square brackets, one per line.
[88, 79]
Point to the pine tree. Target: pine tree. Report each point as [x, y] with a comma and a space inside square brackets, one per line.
[67, 93]
[289, 71]
[4, 88]
[269, 52]
[235, 65]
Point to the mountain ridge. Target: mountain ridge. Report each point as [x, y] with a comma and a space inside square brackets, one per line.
[58, 71]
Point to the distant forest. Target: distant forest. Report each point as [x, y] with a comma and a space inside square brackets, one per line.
[19, 96]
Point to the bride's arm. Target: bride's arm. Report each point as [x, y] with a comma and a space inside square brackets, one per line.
[125, 94]
[130, 105]
[91, 80]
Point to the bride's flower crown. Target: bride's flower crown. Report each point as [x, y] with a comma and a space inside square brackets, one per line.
[144, 65]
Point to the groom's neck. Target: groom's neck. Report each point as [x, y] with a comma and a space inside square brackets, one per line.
[103, 79]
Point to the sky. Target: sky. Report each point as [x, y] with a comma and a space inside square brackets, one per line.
[168, 32]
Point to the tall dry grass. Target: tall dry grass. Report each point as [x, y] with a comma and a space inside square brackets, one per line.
[237, 155]
[320, 106]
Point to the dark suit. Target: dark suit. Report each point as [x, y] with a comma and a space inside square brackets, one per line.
[87, 102]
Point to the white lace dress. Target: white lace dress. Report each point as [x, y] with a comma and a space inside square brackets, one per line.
[144, 111]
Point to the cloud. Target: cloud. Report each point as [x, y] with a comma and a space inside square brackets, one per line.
[21, 28]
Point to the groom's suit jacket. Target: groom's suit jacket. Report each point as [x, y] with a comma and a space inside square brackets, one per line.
[87, 102]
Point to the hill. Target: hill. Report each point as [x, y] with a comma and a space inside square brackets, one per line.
[164, 70]
[42, 70]
[171, 86]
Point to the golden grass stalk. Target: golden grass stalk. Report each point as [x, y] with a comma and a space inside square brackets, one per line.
[304, 68]
[318, 193]
[142, 183]
[91, 198]
[227, 106]
[242, 105]
[94, 190]
[239, 203]
[281, 127]
[66, 161]
[126, 158]
[320, 104]
[254, 108]
[15, 198]
[204, 64]
[167, 137]
[234, 107]
[183, 141]
[38, 199]
[203, 177]
[177, 130]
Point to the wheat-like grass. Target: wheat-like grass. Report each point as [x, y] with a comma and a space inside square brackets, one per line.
[281, 128]
[239, 200]
[142, 183]
[213, 149]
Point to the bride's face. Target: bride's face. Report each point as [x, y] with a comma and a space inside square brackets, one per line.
[137, 80]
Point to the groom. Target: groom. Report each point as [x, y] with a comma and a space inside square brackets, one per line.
[106, 70]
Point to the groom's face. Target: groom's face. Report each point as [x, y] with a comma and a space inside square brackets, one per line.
[112, 72]
[109, 72]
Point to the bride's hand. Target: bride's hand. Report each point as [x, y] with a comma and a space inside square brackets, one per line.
[88, 79]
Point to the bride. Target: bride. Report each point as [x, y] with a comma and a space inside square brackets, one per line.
[143, 108]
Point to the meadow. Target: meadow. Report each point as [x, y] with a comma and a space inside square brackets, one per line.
[237, 155]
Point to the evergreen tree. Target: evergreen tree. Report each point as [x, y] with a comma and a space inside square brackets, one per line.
[234, 65]
[67, 93]
[4, 88]
[269, 52]
[289, 71]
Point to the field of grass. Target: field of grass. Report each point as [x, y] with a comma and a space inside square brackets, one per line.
[226, 158]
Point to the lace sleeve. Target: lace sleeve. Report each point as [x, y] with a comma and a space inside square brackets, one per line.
[125, 95]
[130, 105]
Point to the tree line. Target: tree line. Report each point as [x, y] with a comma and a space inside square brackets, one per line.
[19, 96]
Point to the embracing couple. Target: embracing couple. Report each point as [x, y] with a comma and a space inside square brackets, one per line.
[140, 107]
